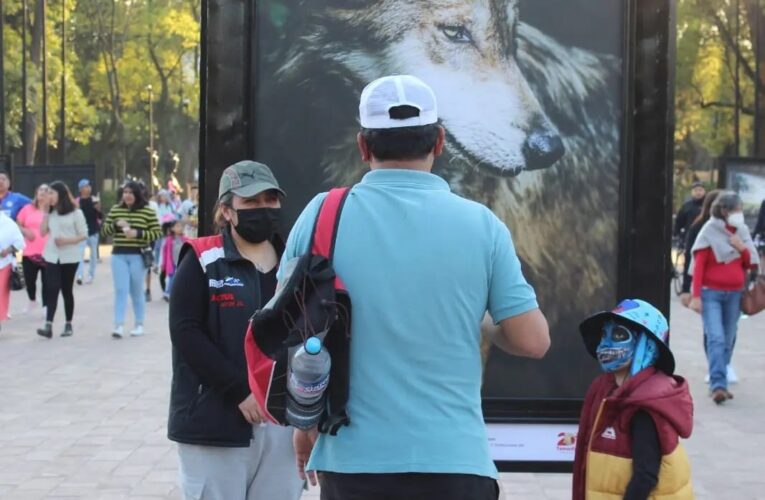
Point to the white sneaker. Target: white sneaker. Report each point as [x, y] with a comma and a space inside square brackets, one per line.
[117, 332]
[732, 376]
[137, 331]
[31, 306]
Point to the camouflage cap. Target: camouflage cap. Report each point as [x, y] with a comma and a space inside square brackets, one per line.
[247, 179]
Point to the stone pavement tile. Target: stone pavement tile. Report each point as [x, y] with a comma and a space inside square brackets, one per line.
[72, 489]
[152, 489]
[28, 495]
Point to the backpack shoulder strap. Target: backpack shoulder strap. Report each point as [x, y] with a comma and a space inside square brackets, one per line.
[327, 222]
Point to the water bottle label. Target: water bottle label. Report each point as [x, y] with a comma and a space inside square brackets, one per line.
[308, 389]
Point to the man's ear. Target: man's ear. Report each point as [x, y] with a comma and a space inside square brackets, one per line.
[440, 142]
[366, 156]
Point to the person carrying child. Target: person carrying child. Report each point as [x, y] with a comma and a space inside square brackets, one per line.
[634, 415]
[171, 250]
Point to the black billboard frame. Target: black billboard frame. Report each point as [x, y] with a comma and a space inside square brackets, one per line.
[227, 122]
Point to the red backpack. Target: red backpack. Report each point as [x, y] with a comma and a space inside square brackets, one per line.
[313, 301]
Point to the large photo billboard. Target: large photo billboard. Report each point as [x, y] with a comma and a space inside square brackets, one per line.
[530, 94]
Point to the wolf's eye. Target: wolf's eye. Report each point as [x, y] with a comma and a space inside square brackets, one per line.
[457, 34]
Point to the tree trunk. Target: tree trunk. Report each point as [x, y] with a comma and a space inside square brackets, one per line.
[33, 95]
[756, 21]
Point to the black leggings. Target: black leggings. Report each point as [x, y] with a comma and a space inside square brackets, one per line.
[60, 278]
[31, 268]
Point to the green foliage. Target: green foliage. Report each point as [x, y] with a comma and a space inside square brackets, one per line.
[115, 49]
[705, 93]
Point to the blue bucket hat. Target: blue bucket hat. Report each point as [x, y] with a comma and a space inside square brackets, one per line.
[637, 314]
[83, 183]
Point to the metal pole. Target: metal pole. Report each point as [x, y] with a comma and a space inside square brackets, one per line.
[151, 134]
[24, 9]
[2, 77]
[736, 115]
[757, 89]
[62, 117]
[44, 85]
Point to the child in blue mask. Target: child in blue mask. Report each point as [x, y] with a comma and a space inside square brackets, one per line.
[634, 415]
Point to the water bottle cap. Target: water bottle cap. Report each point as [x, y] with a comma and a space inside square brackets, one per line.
[313, 345]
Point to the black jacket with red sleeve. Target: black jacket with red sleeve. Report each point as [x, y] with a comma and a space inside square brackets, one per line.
[215, 292]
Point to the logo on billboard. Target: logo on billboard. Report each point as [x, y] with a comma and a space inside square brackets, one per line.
[566, 441]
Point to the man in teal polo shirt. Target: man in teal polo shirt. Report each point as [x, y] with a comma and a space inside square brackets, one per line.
[422, 266]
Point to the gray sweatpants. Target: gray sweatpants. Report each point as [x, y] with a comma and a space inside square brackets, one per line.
[264, 471]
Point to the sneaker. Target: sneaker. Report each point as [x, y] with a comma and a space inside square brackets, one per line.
[31, 306]
[68, 330]
[148, 295]
[89, 281]
[706, 378]
[166, 297]
[117, 332]
[732, 376]
[46, 331]
[137, 331]
[79, 281]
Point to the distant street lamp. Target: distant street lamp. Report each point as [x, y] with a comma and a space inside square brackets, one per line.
[2, 77]
[24, 17]
[62, 116]
[152, 153]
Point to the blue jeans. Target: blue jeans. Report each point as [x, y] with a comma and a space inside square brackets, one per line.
[720, 313]
[168, 284]
[92, 243]
[128, 273]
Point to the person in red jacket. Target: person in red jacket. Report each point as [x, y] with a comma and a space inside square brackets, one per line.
[722, 255]
[634, 415]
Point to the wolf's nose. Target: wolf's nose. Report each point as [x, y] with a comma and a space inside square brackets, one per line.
[542, 149]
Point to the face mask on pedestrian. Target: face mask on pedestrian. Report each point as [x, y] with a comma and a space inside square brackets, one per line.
[616, 348]
[256, 225]
[736, 219]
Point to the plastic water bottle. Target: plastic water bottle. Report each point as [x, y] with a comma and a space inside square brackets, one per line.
[307, 381]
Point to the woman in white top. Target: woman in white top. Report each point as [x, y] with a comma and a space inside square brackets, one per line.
[67, 227]
[11, 241]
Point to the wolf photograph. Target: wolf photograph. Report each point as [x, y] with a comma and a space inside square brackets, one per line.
[529, 92]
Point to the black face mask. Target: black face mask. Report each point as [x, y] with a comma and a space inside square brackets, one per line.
[257, 225]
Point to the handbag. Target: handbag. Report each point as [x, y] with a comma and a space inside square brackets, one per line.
[17, 279]
[753, 300]
[147, 254]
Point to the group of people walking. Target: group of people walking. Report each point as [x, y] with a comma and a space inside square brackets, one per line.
[54, 231]
[720, 254]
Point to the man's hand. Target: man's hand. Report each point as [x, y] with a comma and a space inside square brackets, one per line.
[251, 410]
[695, 304]
[737, 243]
[685, 299]
[303, 442]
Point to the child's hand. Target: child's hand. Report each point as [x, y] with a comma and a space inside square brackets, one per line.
[695, 304]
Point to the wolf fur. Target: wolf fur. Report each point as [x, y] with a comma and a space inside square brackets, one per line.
[496, 78]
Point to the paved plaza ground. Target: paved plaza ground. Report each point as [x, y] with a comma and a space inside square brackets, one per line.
[84, 417]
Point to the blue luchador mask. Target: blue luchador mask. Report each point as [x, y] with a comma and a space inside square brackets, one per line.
[621, 346]
[616, 348]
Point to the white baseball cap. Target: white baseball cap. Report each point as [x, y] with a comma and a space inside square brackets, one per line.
[386, 93]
